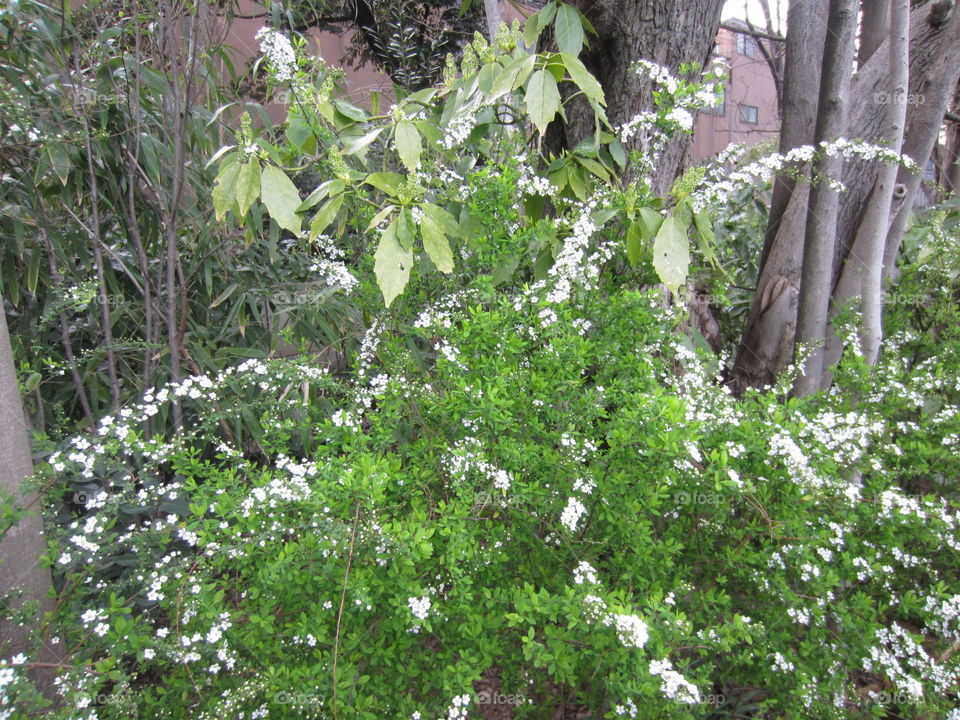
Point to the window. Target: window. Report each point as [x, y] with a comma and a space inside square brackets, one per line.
[746, 45]
[721, 106]
[749, 114]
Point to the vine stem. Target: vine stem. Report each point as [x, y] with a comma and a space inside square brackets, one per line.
[343, 595]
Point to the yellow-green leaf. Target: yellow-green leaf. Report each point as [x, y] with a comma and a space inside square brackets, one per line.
[225, 190]
[391, 265]
[543, 99]
[671, 253]
[569, 30]
[325, 215]
[409, 145]
[436, 244]
[248, 184]
[281, 198]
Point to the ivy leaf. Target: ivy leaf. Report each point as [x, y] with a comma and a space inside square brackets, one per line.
[409, 146]
[248, 185]
[569, 30]
[671, 253]
[281, 198]
[543, 99]
[436, 244]
[391, 264]
[225, 189]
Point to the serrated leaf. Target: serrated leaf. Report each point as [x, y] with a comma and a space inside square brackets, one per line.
[651, 220]
[379, 217]
[406, 229]
[225, 190]
[583, 78]
[248, 185]
[350, 110]
[542, 99]
[409, 145]
[391, 265]
[325, 215]
[569, 30]
[436, 244]
[671, 254]
[281, 197]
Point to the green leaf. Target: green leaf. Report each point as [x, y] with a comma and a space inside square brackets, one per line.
[325, 215]
[436, 244]
[581, 76]
[671, 254]
[409, 146]
[388, 182]
[248, 184]
[281, 198]
[442, 219]
[634, 243]
[59, 161]
[512, 76]
[378, 218]
[230, 289]
[406, 229]
[543, 99]
[651, 221]
[225, 189]
[354, 145]
[350, 110]
[391, 265]
[569, 30]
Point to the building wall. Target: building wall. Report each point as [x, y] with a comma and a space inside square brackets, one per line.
[750, 85]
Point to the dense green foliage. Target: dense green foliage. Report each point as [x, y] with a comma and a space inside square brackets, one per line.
[528, 489]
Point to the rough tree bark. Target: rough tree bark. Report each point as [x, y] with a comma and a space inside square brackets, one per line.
[820, 237]
[21, 545]
[662, 31]
[767, 341]
[766, 344]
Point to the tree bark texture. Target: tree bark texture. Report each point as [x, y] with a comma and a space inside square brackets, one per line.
[820, 237]
[766, 345]
[662, 31]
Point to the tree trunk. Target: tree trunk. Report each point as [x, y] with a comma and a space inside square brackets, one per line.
[492, 10]
[22, 545]
[926, 119]
[872, 235]
[661, 31]
[816, 276]
[766, 344]
[874, 25]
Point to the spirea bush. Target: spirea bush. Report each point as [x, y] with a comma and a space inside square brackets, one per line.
[515, 500]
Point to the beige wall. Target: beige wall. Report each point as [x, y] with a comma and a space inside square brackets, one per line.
[750, 83]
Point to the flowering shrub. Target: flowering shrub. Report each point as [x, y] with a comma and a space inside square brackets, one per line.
[530, 492]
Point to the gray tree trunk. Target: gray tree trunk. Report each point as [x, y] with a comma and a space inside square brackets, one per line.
[21, 546]
[816, 276]
[865, 262]
[766, 345]
[492, 10]
[661, 31]
[874, 27]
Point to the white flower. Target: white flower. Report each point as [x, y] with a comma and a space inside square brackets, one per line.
[572, 514]
[276, 47]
